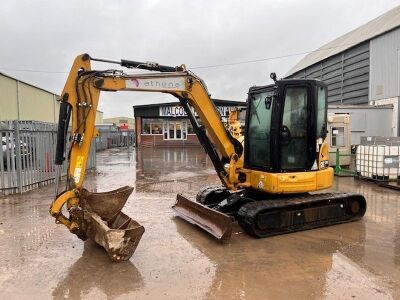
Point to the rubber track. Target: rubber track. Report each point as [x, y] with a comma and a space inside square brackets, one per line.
[248, 212]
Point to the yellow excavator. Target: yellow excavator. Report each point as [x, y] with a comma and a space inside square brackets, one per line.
[234, 125]
[267, 183]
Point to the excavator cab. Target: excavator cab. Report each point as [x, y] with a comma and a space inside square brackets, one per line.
[284, 122]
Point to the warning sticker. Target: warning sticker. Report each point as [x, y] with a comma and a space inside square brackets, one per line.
[78, 168]
[79, 161]
[77, 174]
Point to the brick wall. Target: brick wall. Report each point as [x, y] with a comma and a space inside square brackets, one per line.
[138, 129]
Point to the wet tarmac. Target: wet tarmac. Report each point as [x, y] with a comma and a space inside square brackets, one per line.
[174, 260]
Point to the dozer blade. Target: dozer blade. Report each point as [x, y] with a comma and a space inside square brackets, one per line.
[212, 221]
[104, 222]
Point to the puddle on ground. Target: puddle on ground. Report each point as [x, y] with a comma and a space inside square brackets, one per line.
[360, 260]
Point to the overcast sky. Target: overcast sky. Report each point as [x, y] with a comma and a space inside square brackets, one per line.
[47, 35]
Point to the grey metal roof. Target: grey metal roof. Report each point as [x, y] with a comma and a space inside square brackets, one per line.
[384, 23]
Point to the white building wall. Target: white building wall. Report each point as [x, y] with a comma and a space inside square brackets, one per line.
[366, 120]
[395, 116]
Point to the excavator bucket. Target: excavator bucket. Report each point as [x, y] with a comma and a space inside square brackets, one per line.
[212, 221]
[104, 222]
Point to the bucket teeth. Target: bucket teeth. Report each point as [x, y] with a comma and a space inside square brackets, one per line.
[216, 223]
[104, 222]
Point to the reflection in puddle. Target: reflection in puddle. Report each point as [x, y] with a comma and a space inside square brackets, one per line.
[179, 261]
[95, 275]
[172, 170]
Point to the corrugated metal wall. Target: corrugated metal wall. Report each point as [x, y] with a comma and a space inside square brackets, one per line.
[22, 101]
[385, 66]
[8, 99]
[36, 104]
[347, 75]
[25, 102]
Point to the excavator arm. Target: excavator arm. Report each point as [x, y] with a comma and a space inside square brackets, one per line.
[81, 96]
[80, 99]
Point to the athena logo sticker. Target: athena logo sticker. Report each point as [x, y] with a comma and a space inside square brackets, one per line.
[156, 84]
[135, 82]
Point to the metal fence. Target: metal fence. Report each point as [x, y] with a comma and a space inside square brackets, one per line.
[27, 155]
[111, 138]
[28, 150]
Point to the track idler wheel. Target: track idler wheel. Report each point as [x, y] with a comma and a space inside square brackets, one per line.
[212, 195]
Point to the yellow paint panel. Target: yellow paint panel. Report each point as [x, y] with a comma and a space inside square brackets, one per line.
[289, 183]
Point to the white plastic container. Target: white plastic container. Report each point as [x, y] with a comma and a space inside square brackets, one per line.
[378, 162]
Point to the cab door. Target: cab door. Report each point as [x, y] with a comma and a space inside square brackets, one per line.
[258, 141]
[294, 131]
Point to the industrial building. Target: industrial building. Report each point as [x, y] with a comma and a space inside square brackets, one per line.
[166, 124]
[360, 67]
[121, 122]
[23, 101]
